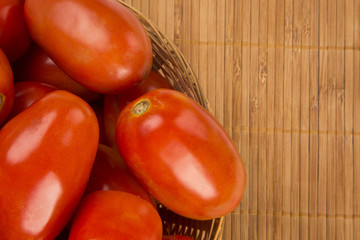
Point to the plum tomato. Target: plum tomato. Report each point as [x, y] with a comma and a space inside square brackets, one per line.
[14, 37]
[6, 88]
[110, 173]
[98, 43]
[181, 154]
[35, 65]
[115, 215]
[113, 104]
[46, 155]
[26, 93]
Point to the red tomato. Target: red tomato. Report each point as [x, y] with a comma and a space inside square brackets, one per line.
[26, 93]
[36, 66]
[14, 37]
[98, 43]
[115, 215]
[6, 88]
[46, 155]
[181, 155]
[110, 173]
[113, 104]
[176, 237]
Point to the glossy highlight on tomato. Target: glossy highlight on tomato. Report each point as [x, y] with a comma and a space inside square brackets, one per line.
[14, 37]
[6, 88]
[115, 215]
[46, 155]
[181, 155]
[98, 43]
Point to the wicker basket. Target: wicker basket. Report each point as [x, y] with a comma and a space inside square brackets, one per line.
[168, 61]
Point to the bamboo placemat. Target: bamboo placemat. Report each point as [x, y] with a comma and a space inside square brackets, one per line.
[283, 77]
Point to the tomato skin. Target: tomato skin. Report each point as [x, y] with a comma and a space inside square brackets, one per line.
[110, 173]
[115, 215]
[35, 65]
[113, 104]
[46, 155]
[181, 155]
[14, 37]
[6, 88]
[26, 93]
[98, 43]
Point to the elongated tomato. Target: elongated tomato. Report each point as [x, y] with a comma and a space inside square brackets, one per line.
[98, 43]
[46, 155]
[181, 154]
[14, 37]
[6, 88]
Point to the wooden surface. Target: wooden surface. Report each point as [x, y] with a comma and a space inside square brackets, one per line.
[283, 78]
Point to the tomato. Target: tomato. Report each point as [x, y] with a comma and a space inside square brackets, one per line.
[14, 37]
[115, 215]
[98, 43]
[176, 237]
[110, 173]
[46, 155]
[36, 66]
[26, 93]
[113, 104]
[6, 88]
[181, 154]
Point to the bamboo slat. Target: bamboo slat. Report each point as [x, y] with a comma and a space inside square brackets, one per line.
[283, 78]
[340, 124]
[232, 81]
[331, 120]
[348, 119]
[314, 120]
[244, 91]
[322, 184]
[279, 117]
[262, 103]
[253, 119]
[304, 121]
[270, 120]
[287, 160]
[356, 122]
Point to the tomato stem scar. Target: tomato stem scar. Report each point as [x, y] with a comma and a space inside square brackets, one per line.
[141, 107]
